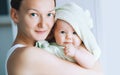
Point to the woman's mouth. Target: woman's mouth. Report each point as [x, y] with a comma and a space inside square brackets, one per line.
[41, 32]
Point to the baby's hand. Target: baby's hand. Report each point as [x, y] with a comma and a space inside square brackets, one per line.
[70, 50]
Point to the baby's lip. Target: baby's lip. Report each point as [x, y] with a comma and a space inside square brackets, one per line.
[67, 42]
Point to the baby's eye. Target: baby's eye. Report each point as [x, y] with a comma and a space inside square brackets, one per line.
[62, 32]
[74, 33]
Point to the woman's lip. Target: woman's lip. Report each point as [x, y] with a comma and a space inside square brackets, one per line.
[41, 32]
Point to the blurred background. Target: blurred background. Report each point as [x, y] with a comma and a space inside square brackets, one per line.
[106, 16]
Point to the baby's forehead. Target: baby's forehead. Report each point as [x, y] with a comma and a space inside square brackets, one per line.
[62, 25]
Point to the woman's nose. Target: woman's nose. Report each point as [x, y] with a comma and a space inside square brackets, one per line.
[42, 22]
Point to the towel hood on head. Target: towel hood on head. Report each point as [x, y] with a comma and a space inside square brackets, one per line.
[81, 22]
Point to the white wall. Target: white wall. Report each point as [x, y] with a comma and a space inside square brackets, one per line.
[5, 40]
[110, 18]
[5, 43]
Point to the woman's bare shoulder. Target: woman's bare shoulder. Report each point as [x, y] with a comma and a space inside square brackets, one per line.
[35, 60]
[26, 59]
[26, 53]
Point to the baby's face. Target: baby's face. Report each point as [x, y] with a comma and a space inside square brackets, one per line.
[65, 34]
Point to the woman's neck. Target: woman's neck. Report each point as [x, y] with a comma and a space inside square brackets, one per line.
[25, 41]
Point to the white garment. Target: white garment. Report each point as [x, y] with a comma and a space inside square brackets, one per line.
[12, 49]
[81, 21]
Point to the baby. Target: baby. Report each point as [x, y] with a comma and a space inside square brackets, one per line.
[71, 38]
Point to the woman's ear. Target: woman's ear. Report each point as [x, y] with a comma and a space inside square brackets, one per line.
[14, 15]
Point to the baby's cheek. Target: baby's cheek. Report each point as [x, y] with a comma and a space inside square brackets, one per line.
[76, 43]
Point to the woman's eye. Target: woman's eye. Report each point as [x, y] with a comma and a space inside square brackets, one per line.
[33, 14]
[74, 33]
[49, 14]
[62, 32]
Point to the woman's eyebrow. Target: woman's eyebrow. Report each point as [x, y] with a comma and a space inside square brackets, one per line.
[53, 10]
[33, 10]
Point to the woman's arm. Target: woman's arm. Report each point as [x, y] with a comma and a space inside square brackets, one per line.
[34, 61]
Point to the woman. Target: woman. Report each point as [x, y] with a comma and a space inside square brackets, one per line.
[34, 19]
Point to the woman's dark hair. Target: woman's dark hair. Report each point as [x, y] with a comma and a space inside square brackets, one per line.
[17, 3]
[50, 38]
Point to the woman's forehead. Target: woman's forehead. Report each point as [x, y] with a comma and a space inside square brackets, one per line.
[40, 5]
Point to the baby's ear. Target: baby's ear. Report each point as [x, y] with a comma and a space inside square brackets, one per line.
[14, 15]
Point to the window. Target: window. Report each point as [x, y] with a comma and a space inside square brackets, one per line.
[3, 7]
[4, 12]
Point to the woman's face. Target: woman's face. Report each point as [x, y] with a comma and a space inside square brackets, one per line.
[35, 19]
[65, 34]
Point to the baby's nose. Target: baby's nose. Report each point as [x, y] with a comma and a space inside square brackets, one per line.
[69, 37]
